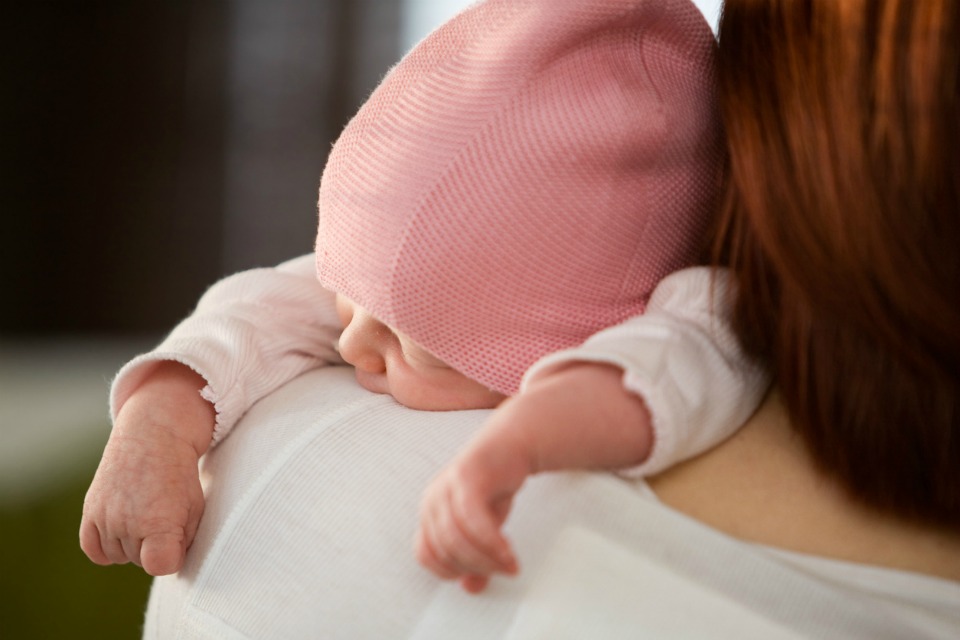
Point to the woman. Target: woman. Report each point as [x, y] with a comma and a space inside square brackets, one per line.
[842, 224]
[834, 510]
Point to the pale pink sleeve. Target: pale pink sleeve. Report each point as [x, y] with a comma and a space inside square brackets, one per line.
[682, 358]
[250, 333]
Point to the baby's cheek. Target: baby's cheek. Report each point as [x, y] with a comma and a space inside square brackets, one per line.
[415, 390]
[419, 390]
[375, 382]
[460, 393]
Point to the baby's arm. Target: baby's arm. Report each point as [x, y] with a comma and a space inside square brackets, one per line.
[683, 358]
[576, 417]
[145, 501]
[675, 383]
[250, 333]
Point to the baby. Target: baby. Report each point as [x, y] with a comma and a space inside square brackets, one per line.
[520, 185]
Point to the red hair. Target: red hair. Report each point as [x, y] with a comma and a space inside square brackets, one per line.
[842, 226]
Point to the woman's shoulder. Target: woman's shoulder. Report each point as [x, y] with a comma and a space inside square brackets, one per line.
[761, 486]
[598, 543]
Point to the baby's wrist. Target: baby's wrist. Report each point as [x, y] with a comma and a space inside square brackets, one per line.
[169, 401]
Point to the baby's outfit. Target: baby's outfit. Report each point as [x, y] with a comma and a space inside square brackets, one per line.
[253, 332]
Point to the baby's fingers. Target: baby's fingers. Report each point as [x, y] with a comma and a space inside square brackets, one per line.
[459, 550]
[162, 554]
[90, 543]
[131, 549]
[474, 584]
[476, 526]
[439, 546]
[445, 526]
[113, 547]
[427, 555]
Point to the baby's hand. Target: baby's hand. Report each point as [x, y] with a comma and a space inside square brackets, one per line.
[465, 506]
[145, 501]
[578, 416]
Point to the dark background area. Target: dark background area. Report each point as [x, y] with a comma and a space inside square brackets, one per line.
[152, 147]
[147, 149]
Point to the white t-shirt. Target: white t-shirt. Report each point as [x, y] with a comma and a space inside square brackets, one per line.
[313, 500]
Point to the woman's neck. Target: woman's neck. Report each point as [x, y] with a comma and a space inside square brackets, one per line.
[762, 486]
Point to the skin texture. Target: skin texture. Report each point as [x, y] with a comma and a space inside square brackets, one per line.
[762, 485]
[145, 501]
[575, 417]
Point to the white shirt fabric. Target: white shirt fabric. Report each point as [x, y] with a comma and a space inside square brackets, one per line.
[313, 499]
[312, 503]
[256, 330]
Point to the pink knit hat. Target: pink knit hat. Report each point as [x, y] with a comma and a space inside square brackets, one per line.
[525, 177]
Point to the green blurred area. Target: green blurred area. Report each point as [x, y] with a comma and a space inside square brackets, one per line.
[48, 588]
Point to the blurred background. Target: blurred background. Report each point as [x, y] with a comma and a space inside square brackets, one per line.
[148, 149]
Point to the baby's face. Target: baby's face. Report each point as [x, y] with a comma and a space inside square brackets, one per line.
[386, 361]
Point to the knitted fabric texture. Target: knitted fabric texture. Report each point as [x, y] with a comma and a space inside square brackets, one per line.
[524, 177]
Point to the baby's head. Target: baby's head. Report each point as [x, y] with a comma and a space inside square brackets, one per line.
[524, 178]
